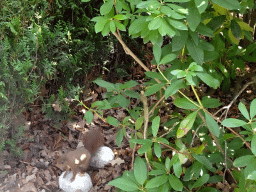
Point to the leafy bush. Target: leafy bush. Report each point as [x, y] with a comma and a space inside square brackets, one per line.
[204, 48]
[46, 49]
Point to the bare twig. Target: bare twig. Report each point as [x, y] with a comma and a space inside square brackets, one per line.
[226, 108]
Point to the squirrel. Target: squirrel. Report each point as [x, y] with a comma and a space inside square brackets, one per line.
[78, 160]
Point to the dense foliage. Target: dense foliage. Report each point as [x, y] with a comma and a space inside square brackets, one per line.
[210, 42]
[46, 49]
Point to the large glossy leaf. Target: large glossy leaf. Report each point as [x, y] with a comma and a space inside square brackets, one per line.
[243, 110]
[212, 125]
[153, 89]
[201, 5]
[202, 159]
[228, 4]
[124, 184]
[201, 181]
[231, 122]
[196, 53]
[253, 108]
[193, 17]
[140, 170]
[174, 87]
[208, 79]
[178, 42]
[253, 144]
[155, 125]
[184, 103]
[106, 7]
[236, 29]
[243, 160]
[186, 124]
[157, 181]
[175, 183]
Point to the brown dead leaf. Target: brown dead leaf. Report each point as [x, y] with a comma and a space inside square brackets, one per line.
[29, 187]
[117, 161]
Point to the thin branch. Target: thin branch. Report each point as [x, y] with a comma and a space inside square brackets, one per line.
[146, 119]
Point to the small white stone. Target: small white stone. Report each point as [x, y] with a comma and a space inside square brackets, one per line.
[103, 156]
[82, 182]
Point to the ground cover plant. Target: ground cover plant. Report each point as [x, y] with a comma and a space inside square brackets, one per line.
[190, 148]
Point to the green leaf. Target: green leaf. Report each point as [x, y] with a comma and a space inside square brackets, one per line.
[196, 53]
[119, 17]
[243, 160]
[171, 13]
[178, 42]
[157, 52]
[156, 181]
[88, 116]
[145, 147]
[124, 184]
[139, 123]
[129, 84]
[210, 102]
[140, 170]
[236, 29]
[216, 22]
[178, 8]
[109, 86]
[175, 183]
[243, 110]
[165, 28]
[154, 36]
[177, 24]
[201, 5]
[119, 137]
[212, 125]
[137, 25]
[155, 23]
[155, 125]
[177, 1]
[106, 7]
[85, 1]
[232, 38]
[112, 121]
[193, 17]
[253, 144]
[132, 94]
[100, 24]
[168, 58]
[120, 26]
[186, 124]
[208, 79]
[253, 108]
[174, 87]
[177, 169]
[206, 46]
[105, 31]
[228, 4]
[202, 159]
[157, 149]
[122, 101]
[184, 103]
[153, 89]
[154, 75]
[231, 122]
[112, 26]
[204, 30]
[201, 181]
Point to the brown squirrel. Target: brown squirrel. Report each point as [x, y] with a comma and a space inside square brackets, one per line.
[78, 160]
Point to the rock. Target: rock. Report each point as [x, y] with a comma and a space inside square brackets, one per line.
[102, 157]
[81, 182]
